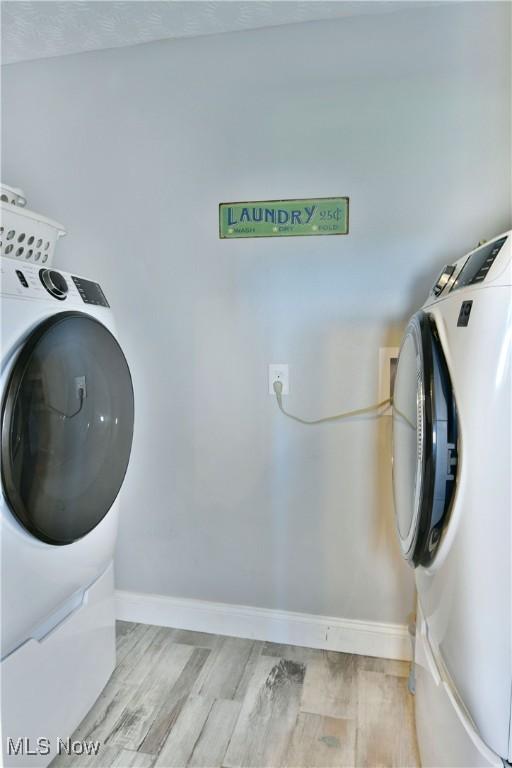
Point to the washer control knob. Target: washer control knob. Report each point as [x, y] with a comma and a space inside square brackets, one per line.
[54, 283]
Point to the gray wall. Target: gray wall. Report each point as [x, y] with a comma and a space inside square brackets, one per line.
[408, 114]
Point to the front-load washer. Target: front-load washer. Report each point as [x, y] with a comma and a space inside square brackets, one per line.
[452, 489]
[66, 434]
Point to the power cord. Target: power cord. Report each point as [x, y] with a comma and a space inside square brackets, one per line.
[81, 398]
[278, 390]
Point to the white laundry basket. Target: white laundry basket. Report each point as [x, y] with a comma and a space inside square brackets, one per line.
[12, 195]
[24, 234]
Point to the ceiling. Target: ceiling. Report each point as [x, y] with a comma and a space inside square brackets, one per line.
[34, 30]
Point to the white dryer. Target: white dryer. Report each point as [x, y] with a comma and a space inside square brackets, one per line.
[452, 487]
[66, 435]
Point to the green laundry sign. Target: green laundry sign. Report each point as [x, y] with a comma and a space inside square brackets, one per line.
[284, 218]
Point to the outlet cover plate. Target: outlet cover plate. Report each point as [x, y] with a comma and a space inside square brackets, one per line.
[388, 358]
[278, 372]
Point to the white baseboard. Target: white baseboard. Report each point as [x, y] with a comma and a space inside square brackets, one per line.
[370, 638]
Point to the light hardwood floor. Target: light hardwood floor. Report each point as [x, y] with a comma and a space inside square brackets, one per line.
[179, 698]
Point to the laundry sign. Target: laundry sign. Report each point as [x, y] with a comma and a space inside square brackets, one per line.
[284, 218]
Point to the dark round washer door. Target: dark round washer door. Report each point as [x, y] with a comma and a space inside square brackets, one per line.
[67, 427]
[424, 441]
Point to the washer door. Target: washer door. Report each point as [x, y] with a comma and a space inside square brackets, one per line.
[67, 427]
[424, 441]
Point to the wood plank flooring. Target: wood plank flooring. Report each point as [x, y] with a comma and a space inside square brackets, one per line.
[179, 698]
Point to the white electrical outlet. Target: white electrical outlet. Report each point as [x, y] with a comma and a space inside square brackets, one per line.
[278, 372]
[388, 358]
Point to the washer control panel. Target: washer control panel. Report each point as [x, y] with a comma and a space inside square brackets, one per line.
[478, 264]
[22, 278]
[53, 281]
[90, 292]
[443, 280]
[33, 283]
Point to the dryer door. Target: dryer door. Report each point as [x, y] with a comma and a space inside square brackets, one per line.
[67, 426]
[424, 441]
